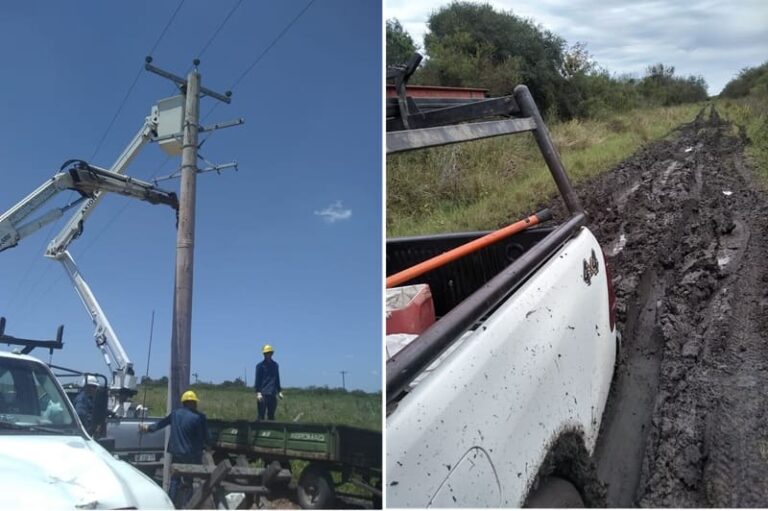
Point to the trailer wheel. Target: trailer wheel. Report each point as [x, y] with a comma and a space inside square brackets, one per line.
[554, 492]
[315, 490]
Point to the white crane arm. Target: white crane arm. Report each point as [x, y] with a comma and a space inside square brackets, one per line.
[83, 178]
[74, 227]
[106, 339]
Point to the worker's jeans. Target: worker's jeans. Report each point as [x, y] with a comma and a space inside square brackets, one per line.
[180, 488]
[267, 406]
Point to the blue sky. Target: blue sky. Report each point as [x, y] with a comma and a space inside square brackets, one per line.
[288, 249]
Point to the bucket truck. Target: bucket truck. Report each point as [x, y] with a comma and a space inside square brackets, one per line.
[123, 385]
[90, 182]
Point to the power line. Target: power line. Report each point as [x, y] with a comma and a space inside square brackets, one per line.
[117, 113]
[96, 151]
[263, 54]
[165, 29]
[272, 44]
[216, 32]
[135, 80]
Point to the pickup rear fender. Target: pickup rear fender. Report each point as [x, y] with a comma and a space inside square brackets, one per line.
[539, 365]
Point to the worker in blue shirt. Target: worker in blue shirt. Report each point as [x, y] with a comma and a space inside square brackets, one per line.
[267, 384]
[84, 402]
[189, 433]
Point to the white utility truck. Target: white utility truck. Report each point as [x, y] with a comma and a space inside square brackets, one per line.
[47, 459]
[498, 403]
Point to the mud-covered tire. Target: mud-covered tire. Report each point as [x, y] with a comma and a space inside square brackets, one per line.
[315, 489]
[554, 492]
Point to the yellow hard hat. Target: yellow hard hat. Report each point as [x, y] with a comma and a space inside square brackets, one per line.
[189, 396]
[267, 349]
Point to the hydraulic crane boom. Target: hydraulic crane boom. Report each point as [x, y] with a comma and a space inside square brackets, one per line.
[123, 378]
[74, 226]
[90, 182]
[123, 384]
[81, 177]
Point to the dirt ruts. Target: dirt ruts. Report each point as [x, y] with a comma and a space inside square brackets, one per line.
[685, 230]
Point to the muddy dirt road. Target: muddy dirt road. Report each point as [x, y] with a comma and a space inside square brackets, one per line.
[686, 234]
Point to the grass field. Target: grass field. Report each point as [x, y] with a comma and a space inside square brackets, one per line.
[751, 114]
[303, 405]
[489, 183]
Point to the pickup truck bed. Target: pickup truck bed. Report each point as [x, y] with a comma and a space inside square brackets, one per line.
[453, 283]
[529, 370]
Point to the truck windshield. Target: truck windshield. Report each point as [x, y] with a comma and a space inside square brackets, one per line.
[30, 400]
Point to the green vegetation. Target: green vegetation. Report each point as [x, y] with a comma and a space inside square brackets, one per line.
[603, 119]
[400, 45]
[751, 81]
[336, 406]
[744, 101]
[490, 183]
[473, 45]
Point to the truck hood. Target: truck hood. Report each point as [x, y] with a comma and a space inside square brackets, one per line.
[60, 472]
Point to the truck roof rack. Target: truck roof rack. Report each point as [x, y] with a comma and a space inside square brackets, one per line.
[30, 344]
[411, 127]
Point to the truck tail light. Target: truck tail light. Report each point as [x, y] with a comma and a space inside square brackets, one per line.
[611, 293]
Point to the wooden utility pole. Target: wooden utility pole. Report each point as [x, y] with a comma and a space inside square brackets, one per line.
[185, 245]
[181, 329]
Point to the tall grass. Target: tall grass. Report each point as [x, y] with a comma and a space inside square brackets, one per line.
[486, 184]
[321, 405]
[750, 114]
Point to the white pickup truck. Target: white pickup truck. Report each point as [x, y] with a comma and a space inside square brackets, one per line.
[47, 460]
[499, 402]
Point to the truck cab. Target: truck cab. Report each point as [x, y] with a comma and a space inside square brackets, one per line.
[47, 458]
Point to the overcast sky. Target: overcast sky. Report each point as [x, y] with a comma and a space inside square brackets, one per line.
[712, 38]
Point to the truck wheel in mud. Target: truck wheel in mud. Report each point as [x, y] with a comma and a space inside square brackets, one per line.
[554, 492]
[315, 489]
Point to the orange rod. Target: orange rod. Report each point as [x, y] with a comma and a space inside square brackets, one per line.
[467, 248]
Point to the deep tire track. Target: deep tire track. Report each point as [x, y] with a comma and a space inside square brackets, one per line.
[686, 232]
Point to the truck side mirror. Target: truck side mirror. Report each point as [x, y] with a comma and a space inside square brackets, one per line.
[107, 443]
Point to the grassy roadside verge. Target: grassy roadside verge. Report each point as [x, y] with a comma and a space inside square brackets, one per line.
[319, 405]
[751, 115]
[489, 183]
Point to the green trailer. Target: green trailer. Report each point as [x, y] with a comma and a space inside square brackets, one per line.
[352, 455]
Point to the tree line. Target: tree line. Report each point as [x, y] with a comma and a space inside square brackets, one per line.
[474, 45]
[750, 81]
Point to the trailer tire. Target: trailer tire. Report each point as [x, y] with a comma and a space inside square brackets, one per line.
[315, 489]
[554, 492]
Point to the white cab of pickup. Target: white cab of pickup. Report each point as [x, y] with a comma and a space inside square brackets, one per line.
[47, 461]
[477, 427]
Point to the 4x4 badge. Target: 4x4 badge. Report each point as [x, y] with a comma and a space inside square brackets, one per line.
[591, 268]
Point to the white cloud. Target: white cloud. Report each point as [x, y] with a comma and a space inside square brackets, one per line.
[334, 213]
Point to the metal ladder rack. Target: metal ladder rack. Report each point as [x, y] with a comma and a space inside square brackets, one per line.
[412, 125]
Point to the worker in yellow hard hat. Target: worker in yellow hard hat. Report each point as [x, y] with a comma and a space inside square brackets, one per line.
[189, 433]
[267, 384]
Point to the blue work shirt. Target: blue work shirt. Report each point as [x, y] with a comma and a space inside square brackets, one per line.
[267, 377]
[84, 408]
[189, 432]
